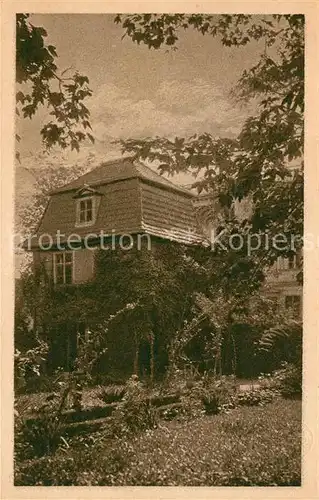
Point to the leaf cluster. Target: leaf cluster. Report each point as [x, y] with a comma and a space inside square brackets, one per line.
[42, 85]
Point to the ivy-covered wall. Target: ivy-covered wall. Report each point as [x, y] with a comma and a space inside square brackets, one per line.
[154, 289]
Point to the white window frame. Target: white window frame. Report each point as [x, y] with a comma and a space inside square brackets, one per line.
[63, 253]
[78, 211]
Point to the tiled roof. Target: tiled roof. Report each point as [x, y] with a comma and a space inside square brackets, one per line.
[133, 199]
[117, 170]
[168, 215]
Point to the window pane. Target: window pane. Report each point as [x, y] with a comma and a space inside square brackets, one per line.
[68, 274]
[59, 274]
[59, 258]
[85, 213]
[63, 267]
[68, 257]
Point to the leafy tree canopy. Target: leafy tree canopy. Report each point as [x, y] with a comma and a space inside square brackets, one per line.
[41, 84]
[255, 164]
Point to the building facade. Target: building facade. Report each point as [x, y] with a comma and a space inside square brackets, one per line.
[282, 283]
[109, 205]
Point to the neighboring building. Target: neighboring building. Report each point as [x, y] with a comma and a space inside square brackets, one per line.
[282, 283]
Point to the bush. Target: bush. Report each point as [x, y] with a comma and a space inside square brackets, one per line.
[287, 380]
[135, 412]
[281, 344]
[28, 365]
[207, 394]
[41, 434]
[112, 393]
[255, 397]
[179, 381]
[171, 411]
[217, 394]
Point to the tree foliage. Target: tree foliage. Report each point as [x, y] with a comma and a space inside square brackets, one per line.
[40, 84]
[283, 341]
[256, 163]
[254, 166]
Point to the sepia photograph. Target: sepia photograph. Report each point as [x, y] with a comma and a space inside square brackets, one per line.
[159, 249]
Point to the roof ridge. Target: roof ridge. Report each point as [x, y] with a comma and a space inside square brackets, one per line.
[117, 160]
[134, 168]
[163, 180]
[155, 172]
[101, 165]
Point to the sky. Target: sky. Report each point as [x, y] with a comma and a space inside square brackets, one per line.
[138, 92]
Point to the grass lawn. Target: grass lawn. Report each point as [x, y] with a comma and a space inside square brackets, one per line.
[250, 446]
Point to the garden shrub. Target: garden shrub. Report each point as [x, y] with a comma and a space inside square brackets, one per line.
[217, 393]
[209, 394]
[281, 344]
[287, 380]
[135, 412]
[111, 393]
[191, 406]
[28, 365]
[171, 411]
[41, 434]
[179, 381]
[258, 396]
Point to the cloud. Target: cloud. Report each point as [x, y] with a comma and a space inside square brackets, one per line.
[190, 95]
[175, 108]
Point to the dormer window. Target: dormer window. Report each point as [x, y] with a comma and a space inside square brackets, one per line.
[87, 203]
[85, 211]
